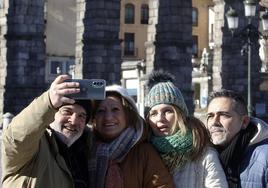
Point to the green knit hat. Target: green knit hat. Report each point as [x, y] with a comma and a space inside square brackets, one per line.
[163, 91]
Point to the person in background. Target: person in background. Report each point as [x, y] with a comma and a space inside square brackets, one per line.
[47, 144]
[241, 141]
[181, 140]
[120, 156]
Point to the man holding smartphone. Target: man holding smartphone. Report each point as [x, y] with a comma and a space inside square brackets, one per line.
[47, 144]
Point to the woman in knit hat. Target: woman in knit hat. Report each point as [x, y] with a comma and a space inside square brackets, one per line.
[120, 155]
[181, 140]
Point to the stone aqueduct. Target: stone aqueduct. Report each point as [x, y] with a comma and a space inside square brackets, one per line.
[98, 53]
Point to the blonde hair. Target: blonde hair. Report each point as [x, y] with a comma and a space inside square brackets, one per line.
[200, 134]
[180, 121]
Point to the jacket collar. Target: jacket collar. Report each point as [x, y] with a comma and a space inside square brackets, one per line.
[262, 131]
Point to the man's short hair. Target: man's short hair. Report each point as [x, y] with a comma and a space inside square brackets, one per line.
[86, 104]
[240, 104]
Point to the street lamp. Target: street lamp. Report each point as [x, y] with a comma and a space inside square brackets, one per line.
[250, 33]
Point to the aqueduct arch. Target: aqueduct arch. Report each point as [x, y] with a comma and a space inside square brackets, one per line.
[98, 53]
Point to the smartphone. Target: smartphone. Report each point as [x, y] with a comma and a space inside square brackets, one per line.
[89, 89]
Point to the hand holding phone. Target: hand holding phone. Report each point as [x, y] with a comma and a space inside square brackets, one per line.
[89, 89]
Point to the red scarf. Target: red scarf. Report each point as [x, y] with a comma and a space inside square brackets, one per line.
[114, 177]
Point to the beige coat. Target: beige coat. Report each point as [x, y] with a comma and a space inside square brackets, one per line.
[30, 156]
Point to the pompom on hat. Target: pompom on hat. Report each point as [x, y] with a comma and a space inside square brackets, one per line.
[163, 91]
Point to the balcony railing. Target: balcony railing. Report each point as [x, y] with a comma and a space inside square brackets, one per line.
[130, 53]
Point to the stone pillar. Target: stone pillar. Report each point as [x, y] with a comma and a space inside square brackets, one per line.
[220, 23]
[170, 37]
[80, 4]
[24, 54]
[149, 44]
[101, 44]
[205, 77]
[230, 68]
[263, 52]
[3, 51]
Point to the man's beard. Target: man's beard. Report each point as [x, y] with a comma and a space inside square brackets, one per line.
[66, 140]
[222, 141]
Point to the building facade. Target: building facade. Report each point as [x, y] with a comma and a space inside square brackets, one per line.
[134, 20]
[202, 25]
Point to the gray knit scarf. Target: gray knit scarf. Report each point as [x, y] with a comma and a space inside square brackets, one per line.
[106, 152]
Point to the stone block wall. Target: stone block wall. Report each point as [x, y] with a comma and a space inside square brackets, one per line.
[24, 54]
[101, 56]
[170, 42]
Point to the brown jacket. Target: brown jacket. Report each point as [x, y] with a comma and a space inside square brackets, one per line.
[143, 168]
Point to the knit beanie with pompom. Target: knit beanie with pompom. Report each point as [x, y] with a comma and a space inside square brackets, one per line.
[163, 91]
